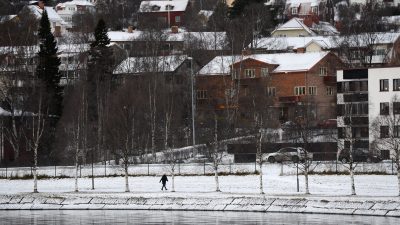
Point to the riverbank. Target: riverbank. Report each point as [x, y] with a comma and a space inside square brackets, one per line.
[346, 205]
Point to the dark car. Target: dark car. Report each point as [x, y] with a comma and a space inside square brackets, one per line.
[329, 123]
[359, 155]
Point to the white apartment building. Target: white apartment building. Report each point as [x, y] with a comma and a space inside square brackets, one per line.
[368, 106]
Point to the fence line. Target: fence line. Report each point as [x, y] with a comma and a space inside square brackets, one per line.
[205, 168]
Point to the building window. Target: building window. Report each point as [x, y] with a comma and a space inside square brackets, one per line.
[312, 90]
[314, 9]
[270, 91]
[396, 131]
[323, 71]
[201, 94]
[384, 85]
[396, 84]
[396, 107]
[294, 11]
[264, 72]
[249, 73]
[330, 91]
[360, 132]
[177, 19]
[384, 131]
[384, 108]
[300, 90]
[380, 51]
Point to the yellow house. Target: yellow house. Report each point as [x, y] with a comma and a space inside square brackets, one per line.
[293, 28]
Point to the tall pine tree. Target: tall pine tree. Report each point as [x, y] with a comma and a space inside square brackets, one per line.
[47, 68]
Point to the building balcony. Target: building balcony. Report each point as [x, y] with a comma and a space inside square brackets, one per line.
[290, 99]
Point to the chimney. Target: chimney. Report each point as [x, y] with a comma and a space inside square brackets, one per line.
[174, 29]
[130, 29]
[301, 50]
[41, 4]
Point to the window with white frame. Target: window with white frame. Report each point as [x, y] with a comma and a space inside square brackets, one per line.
[264, 72]
[177, 19]
[314, 9]
[323, 71]
[396, 84]
[201, 94]
[270, 91]
[300, 90]
[294, 10]
[249, 73]
[312, 90]
[330, 91]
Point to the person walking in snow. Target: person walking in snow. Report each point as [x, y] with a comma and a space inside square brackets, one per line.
[164, 180]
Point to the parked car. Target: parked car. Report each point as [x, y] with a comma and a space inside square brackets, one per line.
[329, 123]
[359, 155]
[294, 154]
[198, 159]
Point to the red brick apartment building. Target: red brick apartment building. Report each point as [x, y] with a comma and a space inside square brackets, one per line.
[289, 79]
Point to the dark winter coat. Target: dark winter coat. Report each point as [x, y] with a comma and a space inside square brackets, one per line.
[164, 179]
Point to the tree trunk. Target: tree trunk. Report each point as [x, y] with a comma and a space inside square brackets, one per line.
[260, 161]
[216, 179]
[173, 181]
[126, 177]
[398, 174]
[261, 178]
[306, 181]
[398, 177]
[76, 173]
[35, 188]
[353, 187]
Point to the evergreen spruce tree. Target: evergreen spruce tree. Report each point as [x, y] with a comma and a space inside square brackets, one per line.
[239, 6]
[100, 35]
[47, 68]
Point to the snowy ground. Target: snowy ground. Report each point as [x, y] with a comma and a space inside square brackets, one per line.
[320, 185]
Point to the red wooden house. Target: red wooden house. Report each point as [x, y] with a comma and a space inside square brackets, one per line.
[170, 13]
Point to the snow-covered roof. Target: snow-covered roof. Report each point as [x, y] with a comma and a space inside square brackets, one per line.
[75, 2]
[326, 42]
[287, 62]
[121, 36]
[290, 43]
[206, 13]
[6, 18]
[34, 49]
[324, 28]
[4, 112]
[219, 65]
[163, 6]
[135, 65]
[52, 14]
[294, 24]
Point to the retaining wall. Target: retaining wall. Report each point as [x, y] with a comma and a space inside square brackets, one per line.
[252, 204]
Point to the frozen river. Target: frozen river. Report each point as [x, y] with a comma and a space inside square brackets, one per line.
[106, 217]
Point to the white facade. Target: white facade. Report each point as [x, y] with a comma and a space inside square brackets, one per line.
[381, 89]
[67, 9]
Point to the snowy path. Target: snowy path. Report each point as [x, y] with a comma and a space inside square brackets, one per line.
[332, 185]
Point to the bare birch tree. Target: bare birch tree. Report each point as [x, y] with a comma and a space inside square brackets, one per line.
[386, 134]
